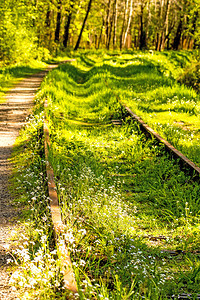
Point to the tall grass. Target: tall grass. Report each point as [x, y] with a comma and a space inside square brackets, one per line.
[127, 206]
[131, 214]
[147, 84]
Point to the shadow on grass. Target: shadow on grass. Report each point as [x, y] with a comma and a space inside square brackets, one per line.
[20, 71]
[130, 77]
[11, 75]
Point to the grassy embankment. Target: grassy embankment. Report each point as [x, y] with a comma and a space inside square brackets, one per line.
[11, 75]
[131, 214]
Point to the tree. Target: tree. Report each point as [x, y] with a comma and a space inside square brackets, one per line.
[115, 12]
[58, 22]
[83, 25]
[124, 23]
[69, 12]
[142, 44]
[28, 27]
[129, 22]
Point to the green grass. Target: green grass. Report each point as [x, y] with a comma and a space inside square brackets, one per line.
[147, 84]
[117, 189]
[131, 214]
[11, 75]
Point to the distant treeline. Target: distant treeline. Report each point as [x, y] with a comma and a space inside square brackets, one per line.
[34, 27]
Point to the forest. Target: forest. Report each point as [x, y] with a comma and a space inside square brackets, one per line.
[38, 28]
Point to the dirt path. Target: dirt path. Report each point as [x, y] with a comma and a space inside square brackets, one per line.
[12, 117]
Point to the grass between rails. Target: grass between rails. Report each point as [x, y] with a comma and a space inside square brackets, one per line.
[126, 206]
[147, 84]
[117, 191]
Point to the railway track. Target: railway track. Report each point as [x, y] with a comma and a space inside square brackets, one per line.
[175, 153]
[59, 227]
[184, 161]
[19, 102]
[69, 278]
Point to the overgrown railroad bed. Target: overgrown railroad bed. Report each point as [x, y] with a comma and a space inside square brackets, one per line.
[131, 214]
[148, 85]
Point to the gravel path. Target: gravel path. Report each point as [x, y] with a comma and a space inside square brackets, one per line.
[12, 117]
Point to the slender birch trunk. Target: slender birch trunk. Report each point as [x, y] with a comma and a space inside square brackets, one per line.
[124, 23]
[129, 22]
[115, 9]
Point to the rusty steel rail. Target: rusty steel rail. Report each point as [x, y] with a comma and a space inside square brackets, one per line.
[167, 145]
[58, 226]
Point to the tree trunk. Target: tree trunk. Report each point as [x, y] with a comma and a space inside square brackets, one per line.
[108, 22]
[195, 18]
[115, 9]
[129, 22]
[47, 21]
[83, 26]
[67, 25]
[160, 20]
[110, 32]
[148, 21]
[58, 23]
[99, 42]
[142, 31]
[95, 40]
[123, 24]
[48, 31]
[66, 30]
[166, 26]
[177, 38]
[131, 33]
[157, 41]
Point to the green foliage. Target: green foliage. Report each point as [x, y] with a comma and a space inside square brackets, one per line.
[42, 54]
[29, 28]
[192, 77]
[16, 40]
